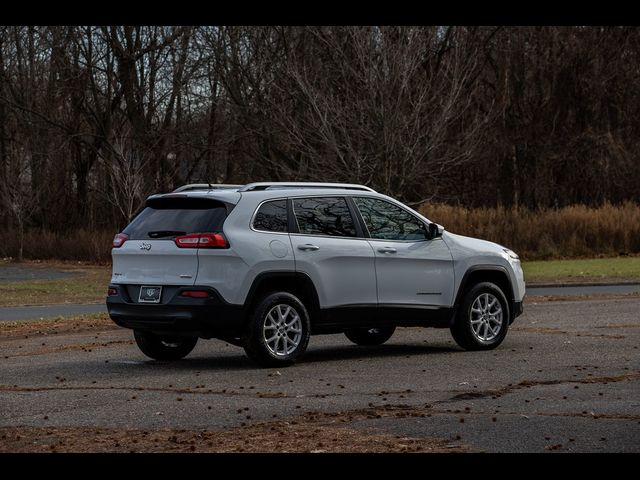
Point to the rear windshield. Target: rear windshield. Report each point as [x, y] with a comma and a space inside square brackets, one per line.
[168, 218]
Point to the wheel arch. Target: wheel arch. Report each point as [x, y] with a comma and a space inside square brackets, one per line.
[495, 274]
[296, 283]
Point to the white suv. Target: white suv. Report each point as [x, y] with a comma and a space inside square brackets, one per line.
[265, 265]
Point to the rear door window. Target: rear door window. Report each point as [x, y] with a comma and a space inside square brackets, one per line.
[167, 218]
[324, 216]
[272, 217]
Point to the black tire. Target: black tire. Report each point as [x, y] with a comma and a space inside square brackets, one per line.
[275, 353]
[370, 336]
[463, 331]
[164, 347]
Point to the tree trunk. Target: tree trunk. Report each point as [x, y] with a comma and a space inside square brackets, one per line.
[20, 240]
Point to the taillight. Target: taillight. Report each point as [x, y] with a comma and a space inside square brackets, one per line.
[202, 240]
[112, 291]
[195, 294]
[188, 241]
[119, 239]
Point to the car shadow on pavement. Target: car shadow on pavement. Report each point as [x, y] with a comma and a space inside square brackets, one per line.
[352, 352]
[204, 362]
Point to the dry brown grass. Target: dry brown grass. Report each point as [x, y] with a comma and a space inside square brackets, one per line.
[570, 232]
[84, 245]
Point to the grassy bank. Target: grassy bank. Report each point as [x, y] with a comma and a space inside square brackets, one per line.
[87, 284]
[589, 270]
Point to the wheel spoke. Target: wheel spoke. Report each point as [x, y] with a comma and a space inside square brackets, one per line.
[486, 317]
[294, 320]
[282, 335]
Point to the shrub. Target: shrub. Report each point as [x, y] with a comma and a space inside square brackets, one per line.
[83, 245]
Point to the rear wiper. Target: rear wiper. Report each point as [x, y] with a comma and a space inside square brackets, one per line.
[165, 233]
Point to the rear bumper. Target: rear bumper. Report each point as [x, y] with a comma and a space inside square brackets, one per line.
[205, 317]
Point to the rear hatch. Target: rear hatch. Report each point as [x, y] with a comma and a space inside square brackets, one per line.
[150, 254]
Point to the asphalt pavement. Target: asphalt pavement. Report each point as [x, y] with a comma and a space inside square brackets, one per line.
[567, 378]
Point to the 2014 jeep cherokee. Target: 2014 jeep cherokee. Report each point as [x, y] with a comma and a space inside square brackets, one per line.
[265, 265]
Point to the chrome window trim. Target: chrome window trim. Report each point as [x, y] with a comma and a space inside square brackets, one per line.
[351, 194]
[401, 207]
[327, 236]
[255, 212]
[318, 234]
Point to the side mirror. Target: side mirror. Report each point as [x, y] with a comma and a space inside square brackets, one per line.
[434, 231]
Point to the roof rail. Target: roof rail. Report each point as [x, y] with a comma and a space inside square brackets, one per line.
[205, 186]
[278, 185]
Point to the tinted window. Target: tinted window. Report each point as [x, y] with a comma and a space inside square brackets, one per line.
[168, 218]
[272, 217]
[389, 222]
[324, 216]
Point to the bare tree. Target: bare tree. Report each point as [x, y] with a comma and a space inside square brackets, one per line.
[125, 175]
[390, 107]
[470, 115]
[17, 197]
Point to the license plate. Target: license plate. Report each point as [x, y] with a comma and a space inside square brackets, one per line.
[149, 294]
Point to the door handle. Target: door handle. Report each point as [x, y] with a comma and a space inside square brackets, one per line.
[387, 250]
[308, 247]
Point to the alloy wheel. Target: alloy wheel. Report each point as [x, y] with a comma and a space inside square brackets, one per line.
[282, 330]
[486, 317]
